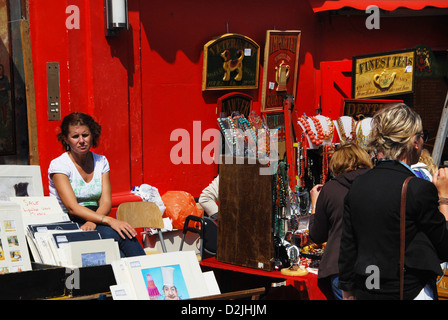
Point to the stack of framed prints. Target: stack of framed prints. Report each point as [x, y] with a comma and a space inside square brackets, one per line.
[165, 276]
[55, 240]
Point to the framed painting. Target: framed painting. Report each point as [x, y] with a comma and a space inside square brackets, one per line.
[280, 69]
[383, 74]
[20, 181]
[231, 61]
[167, 276]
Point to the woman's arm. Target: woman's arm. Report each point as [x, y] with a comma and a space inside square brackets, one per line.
[68, 198]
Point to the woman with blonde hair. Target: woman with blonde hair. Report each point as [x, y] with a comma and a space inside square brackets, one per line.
[369, 258]
[348, 162]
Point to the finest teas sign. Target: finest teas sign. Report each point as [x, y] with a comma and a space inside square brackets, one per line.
[382, 75]
[231, 62]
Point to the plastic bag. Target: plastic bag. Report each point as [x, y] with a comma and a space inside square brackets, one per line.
[179, 205]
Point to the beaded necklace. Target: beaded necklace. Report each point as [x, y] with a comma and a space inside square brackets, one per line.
[225, 131]
[344, 136]
[246, 126]
[327, 153]
[361, 138]
[328, 133]
[315, 140]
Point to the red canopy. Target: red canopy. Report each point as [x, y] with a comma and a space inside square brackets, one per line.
[389, 5]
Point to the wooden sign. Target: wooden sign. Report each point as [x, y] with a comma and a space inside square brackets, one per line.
[384, 74]
[281, 58]
[359, 109]
[234, 101]
[231, 62]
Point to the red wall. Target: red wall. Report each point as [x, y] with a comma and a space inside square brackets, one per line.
[146, 82]
[141, 95]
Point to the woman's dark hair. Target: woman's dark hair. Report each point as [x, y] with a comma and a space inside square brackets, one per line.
[79, 119]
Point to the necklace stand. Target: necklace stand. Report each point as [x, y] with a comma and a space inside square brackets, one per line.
[318, 130]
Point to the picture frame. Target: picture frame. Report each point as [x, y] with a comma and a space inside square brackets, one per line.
[280, 68]
[383, 74]
[82, 254]
[20, 180]
[147, 276]
[231, 61]
[14, 254]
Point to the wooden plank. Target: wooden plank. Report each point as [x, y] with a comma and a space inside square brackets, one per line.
[441, 134]
[245, 215]
[30, 94]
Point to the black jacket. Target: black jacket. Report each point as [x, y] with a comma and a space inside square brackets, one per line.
[371, 232]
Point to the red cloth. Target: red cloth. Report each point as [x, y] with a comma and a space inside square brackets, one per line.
[389, 5]
[308, 282]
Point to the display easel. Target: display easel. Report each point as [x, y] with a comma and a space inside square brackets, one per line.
[441, 134]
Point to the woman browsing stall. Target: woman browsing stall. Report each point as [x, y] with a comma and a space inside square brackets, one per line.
[327, 205]
[80, 180]
[369, 258]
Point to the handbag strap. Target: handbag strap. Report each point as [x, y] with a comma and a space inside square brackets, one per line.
[402, 232]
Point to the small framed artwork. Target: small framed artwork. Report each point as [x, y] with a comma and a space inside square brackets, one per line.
[280, 70]
[20, 181]
[167, 276]
[82, 254]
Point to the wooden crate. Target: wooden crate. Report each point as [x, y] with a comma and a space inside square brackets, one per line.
[245, 215]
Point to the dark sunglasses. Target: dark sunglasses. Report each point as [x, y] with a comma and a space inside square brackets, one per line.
[424, 134]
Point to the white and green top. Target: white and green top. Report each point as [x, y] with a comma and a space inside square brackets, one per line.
[87, 194]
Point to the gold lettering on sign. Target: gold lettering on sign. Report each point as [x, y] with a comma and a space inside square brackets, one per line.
[383, 75]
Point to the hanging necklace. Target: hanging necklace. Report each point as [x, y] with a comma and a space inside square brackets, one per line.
[344, 136]
[361, 138]
[315, 140]
[327, 134]
[327, 153]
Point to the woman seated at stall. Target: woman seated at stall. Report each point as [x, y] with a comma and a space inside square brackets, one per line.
[80, 180]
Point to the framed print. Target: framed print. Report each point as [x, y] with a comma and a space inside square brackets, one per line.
[20, 181]
[14, 255]
[280, 69]
[90, 253]
[383, 74]
[167, 276]
[231, 61]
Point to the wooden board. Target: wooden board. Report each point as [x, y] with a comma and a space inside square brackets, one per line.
[245, 215]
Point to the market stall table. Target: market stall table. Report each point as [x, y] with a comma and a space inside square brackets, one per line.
[306, 283]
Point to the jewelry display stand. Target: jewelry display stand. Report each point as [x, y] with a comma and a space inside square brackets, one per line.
[319, 130]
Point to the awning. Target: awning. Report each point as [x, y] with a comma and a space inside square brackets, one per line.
[389, 5]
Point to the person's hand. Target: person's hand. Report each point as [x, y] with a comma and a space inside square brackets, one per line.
[123, 228]
[314, 193]
[88, 226]
[347, 295]
[440, 179]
